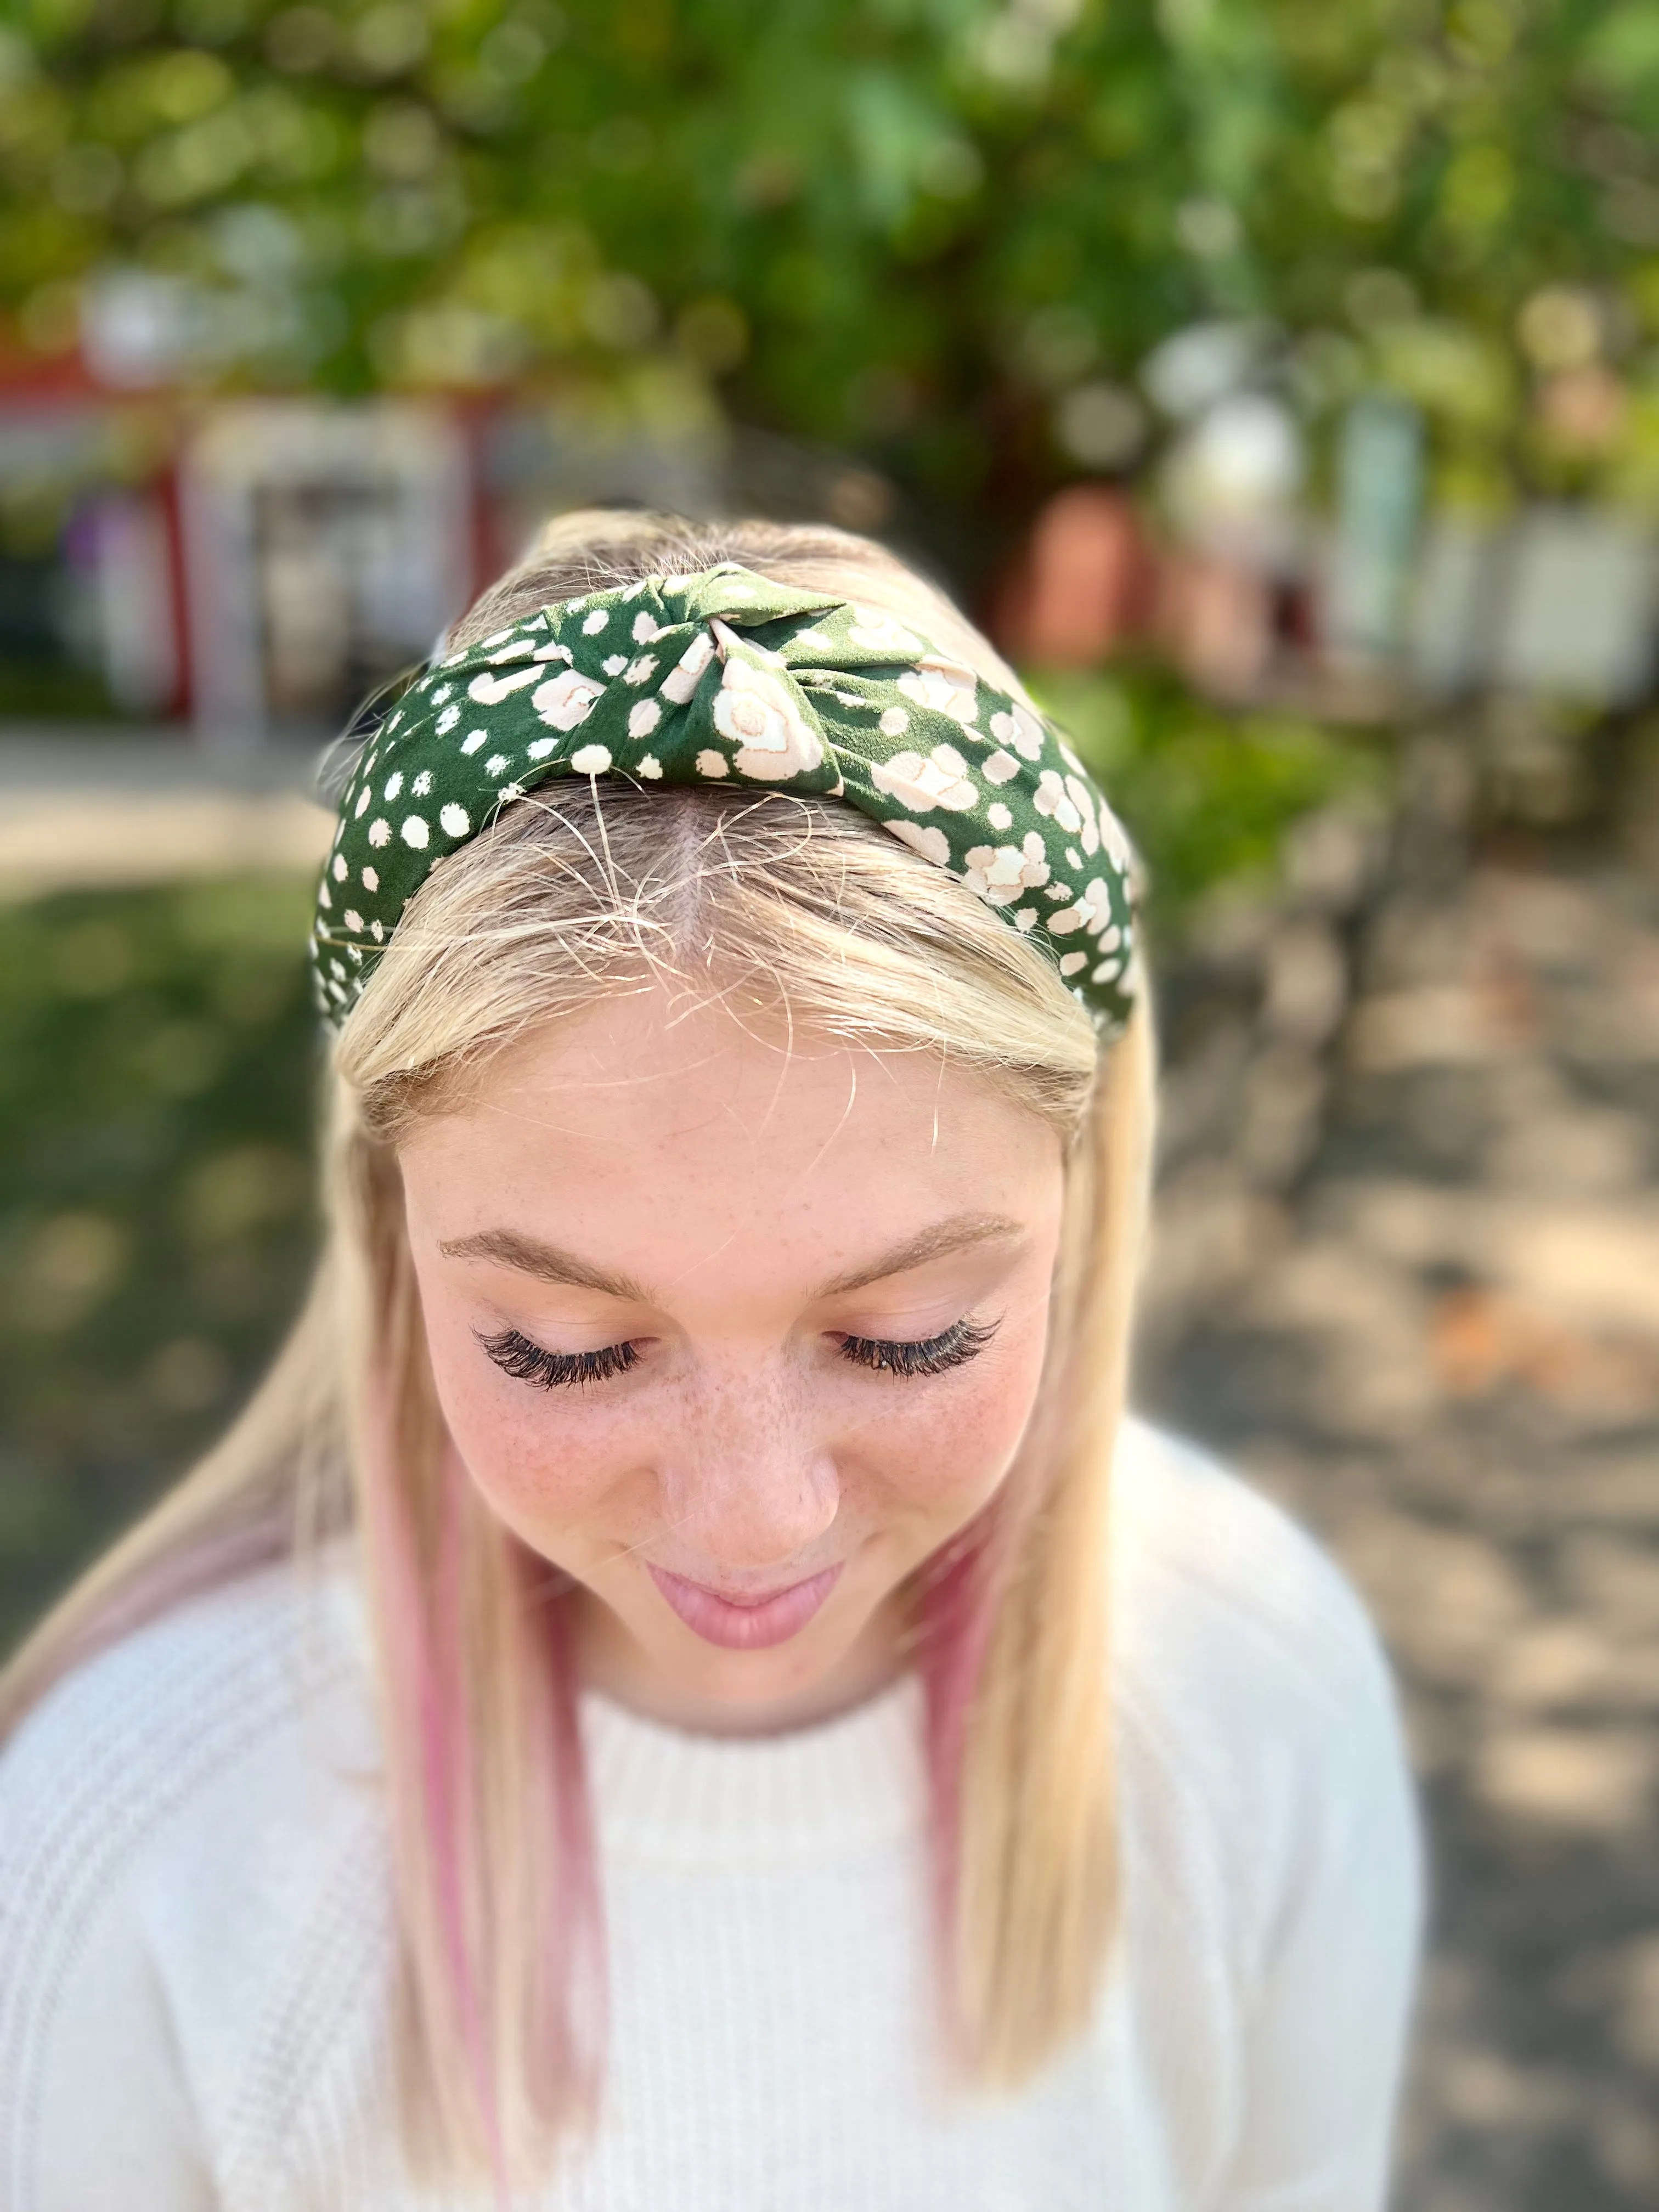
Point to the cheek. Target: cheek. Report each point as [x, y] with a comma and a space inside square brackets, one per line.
[949, 1446]
[536, 1456]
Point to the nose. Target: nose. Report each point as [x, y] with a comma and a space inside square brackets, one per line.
[749, 1484]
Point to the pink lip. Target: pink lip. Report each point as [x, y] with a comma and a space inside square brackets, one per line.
[754, 1627]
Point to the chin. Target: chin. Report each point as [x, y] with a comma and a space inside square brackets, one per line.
[743, 1681]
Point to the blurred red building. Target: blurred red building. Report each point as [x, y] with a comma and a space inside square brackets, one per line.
[247, 565]
[252, 565]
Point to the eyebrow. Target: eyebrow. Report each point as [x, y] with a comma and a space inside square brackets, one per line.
[956, 1235]
[550, 1263]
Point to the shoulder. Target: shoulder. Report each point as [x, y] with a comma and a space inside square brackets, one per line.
[1213, 1579]
[175, 1816]
[132, 1738]
[1257, 1715]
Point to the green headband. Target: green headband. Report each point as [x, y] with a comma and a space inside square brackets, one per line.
[725, 677]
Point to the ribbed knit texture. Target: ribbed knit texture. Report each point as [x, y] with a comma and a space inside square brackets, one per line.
[195, 1933]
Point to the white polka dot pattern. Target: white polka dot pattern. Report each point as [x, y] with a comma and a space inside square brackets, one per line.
[724, 677]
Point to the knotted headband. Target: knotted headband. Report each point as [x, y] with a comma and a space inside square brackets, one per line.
[727, 678]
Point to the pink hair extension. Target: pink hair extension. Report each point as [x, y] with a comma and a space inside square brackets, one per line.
[427, 1709]
[572, 1933]
[956, 1602]
[428, 1680]
[444, 1733]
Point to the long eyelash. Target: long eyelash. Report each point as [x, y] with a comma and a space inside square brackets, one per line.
[951, 1347]
[517, 1355]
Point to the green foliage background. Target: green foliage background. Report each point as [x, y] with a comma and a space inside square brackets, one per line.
[903, 225]
[157, 1059]
[1207, 795]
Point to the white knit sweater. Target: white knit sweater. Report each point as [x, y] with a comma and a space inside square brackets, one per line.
[194, 1938]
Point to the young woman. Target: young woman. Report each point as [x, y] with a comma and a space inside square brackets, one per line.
[681, 1692]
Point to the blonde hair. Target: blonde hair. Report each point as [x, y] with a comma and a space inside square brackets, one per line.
[785, 907]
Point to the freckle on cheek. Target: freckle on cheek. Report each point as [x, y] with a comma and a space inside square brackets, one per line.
[941, 1459]
[508, 1459]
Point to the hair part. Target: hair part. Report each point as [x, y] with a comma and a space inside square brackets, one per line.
[800, 915]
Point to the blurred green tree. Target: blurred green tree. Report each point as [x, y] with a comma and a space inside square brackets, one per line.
[945, 232]
[158, 1058]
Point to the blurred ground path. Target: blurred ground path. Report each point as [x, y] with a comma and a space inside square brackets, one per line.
[86, 811]
[1441, 1347]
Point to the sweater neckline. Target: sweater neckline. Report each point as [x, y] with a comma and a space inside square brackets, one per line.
[675, 1795]
[842, 1784]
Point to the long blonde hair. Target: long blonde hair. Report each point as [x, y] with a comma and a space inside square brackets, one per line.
[784, 905]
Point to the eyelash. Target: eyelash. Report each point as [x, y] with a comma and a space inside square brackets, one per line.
[517, 1355]
[952, 1347]
[525, 1362]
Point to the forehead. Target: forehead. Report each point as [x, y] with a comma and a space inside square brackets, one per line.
[651, 1131]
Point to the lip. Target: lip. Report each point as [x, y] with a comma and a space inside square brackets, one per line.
[753, 1627]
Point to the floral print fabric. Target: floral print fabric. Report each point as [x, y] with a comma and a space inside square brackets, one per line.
[723, 677]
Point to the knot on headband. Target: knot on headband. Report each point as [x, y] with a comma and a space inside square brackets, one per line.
[727, 678]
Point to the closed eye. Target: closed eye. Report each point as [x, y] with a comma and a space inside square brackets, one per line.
[517, 1355]
[528, 1362]
[953, 1346]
